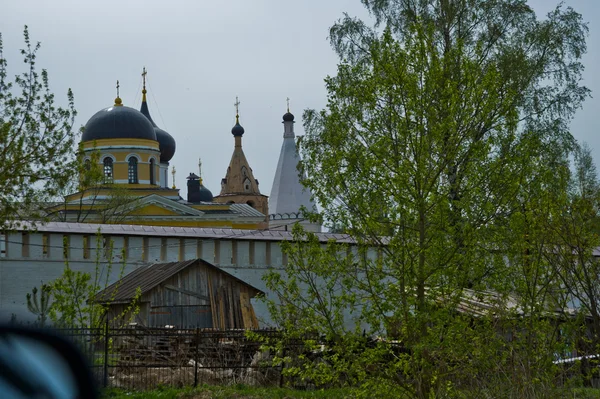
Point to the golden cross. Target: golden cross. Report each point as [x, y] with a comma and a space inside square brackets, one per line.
[144, 73]
[237, 104]
[173, 173]
[287, 99]
[118, 88]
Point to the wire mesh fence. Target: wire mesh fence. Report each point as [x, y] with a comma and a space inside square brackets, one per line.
[140, 358]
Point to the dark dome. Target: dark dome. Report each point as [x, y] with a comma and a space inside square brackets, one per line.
[166, 142]
[288, 117]
[118, 122]
[205, 195]
[237, 130]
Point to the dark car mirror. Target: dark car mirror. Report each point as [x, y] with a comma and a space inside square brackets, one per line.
[40, 364]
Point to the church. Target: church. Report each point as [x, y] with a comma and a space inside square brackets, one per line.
[131, 156]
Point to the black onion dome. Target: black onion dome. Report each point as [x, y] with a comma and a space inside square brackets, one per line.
[237, 130]
[205, 195]
[288, 117]
[166, 142]
[118, 122]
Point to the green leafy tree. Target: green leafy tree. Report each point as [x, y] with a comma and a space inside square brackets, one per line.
[36, 140]
[445, 130]
[576, 239]
[75, 305]
[40, 306]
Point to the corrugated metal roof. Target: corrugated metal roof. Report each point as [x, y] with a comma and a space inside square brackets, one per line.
[183, 232]
[148, 277]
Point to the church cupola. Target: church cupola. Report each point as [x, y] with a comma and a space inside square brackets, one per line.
[237, 130]
[196, 190]
[166, 142]
[288, 122]
[118, 122]
[288, 195]
[239, 184]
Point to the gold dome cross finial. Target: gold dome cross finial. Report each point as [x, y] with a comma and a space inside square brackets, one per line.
[118, 101]
[144, 73]
[287, 99]
[200, 169]
[237, 109]
[173, 173]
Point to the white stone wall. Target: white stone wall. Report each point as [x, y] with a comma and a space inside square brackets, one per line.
[23, 267]
[43, 263]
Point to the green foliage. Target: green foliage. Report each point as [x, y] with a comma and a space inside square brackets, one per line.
[243, 392]
[444, 153]
[225, 392]
[40, 306]
[36, 140]
[75, 305]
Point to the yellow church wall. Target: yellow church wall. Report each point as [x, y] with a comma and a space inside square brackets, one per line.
[121, 171]
[90, 145]
[154, 210]
[124, 156]
[210, 207]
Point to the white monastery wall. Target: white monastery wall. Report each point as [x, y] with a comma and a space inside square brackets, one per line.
[30, 259]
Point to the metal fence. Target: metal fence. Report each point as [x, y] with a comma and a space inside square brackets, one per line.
[142, 358]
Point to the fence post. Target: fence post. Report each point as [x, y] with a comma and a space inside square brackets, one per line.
[282, 367]
[196, 358]
[106, 353]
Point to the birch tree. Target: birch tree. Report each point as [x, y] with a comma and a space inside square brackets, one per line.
[36, 139]
[445, 128]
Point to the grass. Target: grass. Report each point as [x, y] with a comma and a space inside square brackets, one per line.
[227, 392]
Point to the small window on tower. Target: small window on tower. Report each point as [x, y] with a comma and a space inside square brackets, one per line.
[108, 170]
[133, 170]
[152, 171]
[247, 185]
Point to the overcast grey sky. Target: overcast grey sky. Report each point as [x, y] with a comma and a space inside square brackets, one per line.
[201, 54]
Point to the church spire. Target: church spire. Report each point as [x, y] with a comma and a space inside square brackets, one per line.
[144, 73]
[239, 185]
[288, 122]
[288, 195]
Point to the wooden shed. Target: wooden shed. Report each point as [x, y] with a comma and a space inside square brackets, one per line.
[188, 294]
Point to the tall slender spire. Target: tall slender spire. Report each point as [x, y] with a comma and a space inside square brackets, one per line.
[288, 195]
[144, 73]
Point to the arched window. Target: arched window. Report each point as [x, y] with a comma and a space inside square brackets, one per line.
[152, 171]
[108, 170]
[133, 170]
